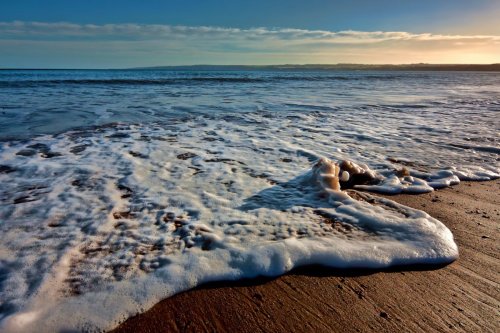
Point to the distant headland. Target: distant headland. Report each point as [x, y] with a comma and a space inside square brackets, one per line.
[320, 67]
[305, 67]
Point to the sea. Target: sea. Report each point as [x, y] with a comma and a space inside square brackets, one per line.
[119, 188]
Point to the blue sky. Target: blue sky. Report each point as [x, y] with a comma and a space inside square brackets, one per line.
[127, 33]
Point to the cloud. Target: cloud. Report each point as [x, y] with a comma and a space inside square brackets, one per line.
[48, 31]
[42, 44]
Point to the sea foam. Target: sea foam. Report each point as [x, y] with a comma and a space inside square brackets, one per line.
[98, 225]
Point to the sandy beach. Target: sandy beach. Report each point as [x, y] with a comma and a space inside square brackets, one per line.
[463, 296]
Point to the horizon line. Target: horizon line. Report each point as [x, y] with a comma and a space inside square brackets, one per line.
[264, 66]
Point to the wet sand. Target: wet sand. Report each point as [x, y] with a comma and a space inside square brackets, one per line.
[461, 297]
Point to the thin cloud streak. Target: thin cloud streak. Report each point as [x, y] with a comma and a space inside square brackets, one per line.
[43, 30]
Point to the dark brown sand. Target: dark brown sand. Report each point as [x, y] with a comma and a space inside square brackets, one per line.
[463, 296]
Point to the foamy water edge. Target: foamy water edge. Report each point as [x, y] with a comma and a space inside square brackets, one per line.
[107, 222]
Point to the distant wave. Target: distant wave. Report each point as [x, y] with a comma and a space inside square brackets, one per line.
[31, 83]
[168, 81]
[337, 77]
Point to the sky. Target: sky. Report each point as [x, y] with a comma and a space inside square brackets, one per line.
[132, 33]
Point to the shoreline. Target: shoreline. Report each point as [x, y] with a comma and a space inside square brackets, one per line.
[462, 296]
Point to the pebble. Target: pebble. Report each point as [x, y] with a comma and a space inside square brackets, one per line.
[384, 315]
[137, 154]
[186, 156]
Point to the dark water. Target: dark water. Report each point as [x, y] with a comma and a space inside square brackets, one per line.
[39, 102]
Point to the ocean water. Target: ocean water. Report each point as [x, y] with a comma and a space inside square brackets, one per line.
[121, 188]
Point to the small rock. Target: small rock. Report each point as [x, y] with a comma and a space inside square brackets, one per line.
[384, 315]
[258, 296]
[186, 156]
[137, 154]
